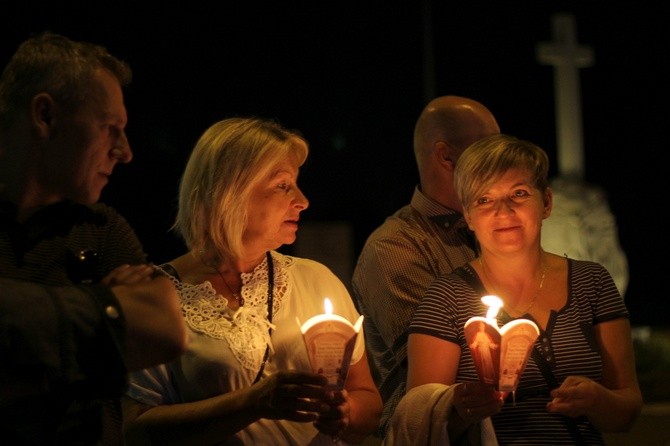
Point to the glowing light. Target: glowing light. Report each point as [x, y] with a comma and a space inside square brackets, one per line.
[494, 303]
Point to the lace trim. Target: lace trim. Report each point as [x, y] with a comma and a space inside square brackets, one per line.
[246, 329]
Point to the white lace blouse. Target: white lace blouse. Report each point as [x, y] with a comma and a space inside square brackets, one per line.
[226, 347]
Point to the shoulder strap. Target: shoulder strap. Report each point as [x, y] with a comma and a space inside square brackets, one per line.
[271, 285]
[470, 279]
[168, 268]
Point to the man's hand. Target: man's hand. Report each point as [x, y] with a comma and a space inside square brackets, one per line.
[154, 323]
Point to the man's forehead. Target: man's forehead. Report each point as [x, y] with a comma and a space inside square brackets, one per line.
[112, 106]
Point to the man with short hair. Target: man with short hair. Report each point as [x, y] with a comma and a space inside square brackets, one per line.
[421, 241]
[62, 121]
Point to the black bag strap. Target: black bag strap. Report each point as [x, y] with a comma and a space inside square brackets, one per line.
[471, 280]
[271, 284]
[545, 368]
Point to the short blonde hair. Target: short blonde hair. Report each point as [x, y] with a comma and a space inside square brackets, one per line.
[228, 161]
[487, 160]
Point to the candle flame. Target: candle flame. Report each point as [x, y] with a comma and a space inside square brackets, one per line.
[328, 306]
[494, 303]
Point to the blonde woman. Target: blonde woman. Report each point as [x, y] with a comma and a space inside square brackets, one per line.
[246, 377]
[581, 380]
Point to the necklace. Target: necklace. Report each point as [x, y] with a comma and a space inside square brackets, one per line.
[239, 299]
[236, 296]
[532, 301]
[271, 285]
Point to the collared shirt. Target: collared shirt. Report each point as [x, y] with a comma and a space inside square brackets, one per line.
[399, 261]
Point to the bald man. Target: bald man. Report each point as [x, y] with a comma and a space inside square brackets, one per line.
[419, 242]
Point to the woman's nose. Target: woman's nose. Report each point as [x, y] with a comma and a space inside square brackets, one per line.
[503, 206]
[301, 200]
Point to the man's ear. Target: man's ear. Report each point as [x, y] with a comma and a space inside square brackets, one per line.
[548, 202]
[42, 109]
[446, 155]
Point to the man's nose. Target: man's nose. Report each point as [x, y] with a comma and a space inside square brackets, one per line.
[121, 150]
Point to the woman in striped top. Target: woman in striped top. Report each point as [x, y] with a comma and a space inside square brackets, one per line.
[585, 340]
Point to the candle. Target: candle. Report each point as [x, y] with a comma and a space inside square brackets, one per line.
[499, 354]
[494, 303]
[327, 316]
[329, 339]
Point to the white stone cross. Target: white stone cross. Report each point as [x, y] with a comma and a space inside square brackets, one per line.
[581, 225]
[567, 56]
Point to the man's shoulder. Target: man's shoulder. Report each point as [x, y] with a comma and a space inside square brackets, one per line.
[406, 224]
[404, 218]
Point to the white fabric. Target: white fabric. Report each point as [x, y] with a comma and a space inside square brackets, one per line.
[245, 330]
[420, 419]
[211, 367]
[582, 227]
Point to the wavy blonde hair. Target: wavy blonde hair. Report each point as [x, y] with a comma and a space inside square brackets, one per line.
[228, 161]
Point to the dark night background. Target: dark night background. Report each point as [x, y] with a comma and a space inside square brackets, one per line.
[351, 76]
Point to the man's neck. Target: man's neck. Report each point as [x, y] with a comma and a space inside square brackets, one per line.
[28, 202]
